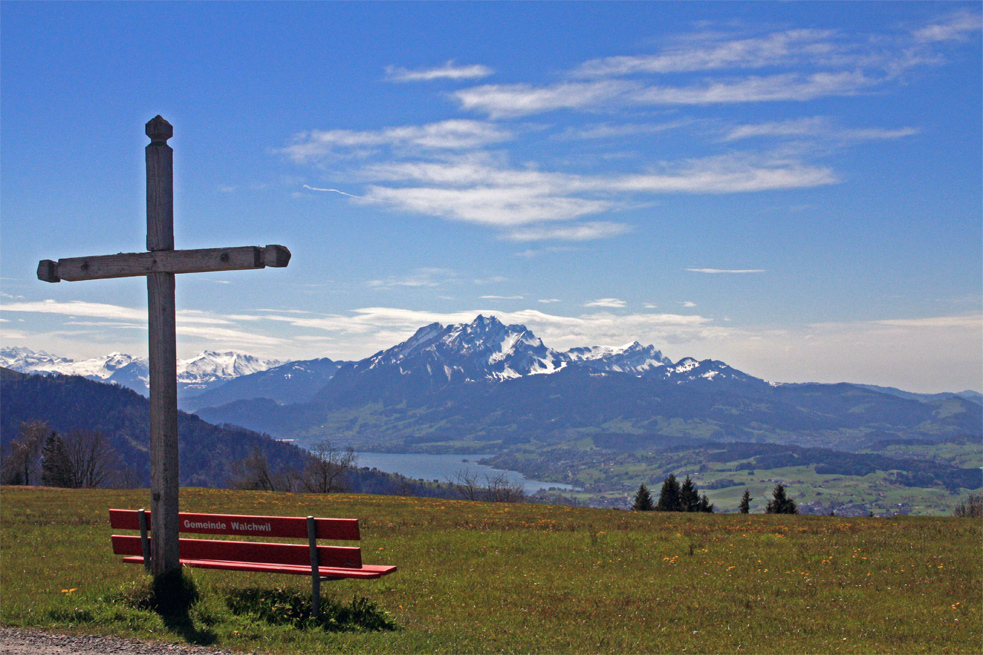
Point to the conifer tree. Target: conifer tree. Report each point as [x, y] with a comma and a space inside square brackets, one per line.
[669, 495]
[643, 500]
[705, 505]
[689, 499]
[781, 503]
[745, 506]
[56, 467]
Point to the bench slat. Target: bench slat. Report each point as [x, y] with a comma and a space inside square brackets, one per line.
[235, 524]
[248, 551]
[366, 572]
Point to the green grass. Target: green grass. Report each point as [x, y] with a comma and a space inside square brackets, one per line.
[483, 578]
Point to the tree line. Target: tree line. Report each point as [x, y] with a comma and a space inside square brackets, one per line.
[685, 497]
[79, 459]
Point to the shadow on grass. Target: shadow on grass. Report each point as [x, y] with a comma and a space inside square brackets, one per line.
[172, 595]
[279, 606]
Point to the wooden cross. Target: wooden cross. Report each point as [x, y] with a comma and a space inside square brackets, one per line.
[160, 265]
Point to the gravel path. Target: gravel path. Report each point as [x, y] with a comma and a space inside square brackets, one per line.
[15, 641]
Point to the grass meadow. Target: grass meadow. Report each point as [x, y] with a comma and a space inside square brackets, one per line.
[495, 578]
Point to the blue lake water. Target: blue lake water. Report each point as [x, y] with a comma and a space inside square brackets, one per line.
[445, 468]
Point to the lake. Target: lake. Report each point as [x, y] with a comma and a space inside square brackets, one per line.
[444, 468]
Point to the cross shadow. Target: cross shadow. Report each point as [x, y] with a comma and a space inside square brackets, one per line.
[184, 625]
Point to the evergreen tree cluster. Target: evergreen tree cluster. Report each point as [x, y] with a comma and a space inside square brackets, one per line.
[780, 502]
[673, 497]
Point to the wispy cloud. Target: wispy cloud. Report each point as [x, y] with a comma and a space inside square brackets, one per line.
[480, 190]
[501, 297]
[778, 48]
[816, 127]
[421, 277]
[577, 232]
[449, 71]
[453, 134]
[613, 303]
[615, 131]
[509, 101]
[955, 27]
[715, 271]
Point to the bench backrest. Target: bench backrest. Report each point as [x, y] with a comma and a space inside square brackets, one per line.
[245, 525]
[247, 551]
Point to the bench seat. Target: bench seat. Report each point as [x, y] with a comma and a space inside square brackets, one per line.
[367, 572]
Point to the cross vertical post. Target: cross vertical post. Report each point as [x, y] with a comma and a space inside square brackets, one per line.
[163, 353]
[160, 264]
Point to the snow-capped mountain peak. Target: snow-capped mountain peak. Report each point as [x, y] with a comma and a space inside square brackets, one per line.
[486, 348]
[209, 365]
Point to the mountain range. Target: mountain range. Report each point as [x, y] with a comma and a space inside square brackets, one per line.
[204, 371]
[486, 386]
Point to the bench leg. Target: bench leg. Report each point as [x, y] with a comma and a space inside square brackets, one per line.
[315, 568]
[144, 541]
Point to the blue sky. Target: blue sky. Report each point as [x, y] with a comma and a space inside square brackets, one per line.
[792, 188]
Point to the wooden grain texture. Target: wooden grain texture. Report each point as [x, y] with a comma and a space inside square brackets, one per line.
[160, 186]
[133, 264]
[163, 422]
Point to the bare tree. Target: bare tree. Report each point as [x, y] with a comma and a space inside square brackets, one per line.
[22, 466]
[971, 508]
[502, 490]
[466, 484]
[497, 488]
[326, 470]
[94, 461]
[253, 472]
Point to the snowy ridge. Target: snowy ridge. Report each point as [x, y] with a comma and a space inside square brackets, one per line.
[197, 373]
[487, 349]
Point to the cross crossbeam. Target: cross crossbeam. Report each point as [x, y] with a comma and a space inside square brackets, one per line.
[159, 267]
[133, 264]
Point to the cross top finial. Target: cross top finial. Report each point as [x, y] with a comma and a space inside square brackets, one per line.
[159, 130]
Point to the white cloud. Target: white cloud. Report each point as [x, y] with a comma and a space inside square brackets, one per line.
[501, 297]
[548, 300]
[613, 303]
[507, 101]
[776, 49]
[78, 308]
[453, 134]
[449, 71]
[421, 277]
[816, 127]
[494, 206]
[614, 131]
[510, 100]
[787, 87]
[956, 27]
[714, 271]
[575, 232]
[482, 190]
[687, 303]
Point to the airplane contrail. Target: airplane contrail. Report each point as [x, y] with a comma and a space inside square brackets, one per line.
[350, 195]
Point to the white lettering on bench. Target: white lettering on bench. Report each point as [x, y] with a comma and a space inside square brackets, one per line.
[204, 525]
[252, 527]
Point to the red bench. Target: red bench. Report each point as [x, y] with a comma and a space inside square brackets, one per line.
[321, 563]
